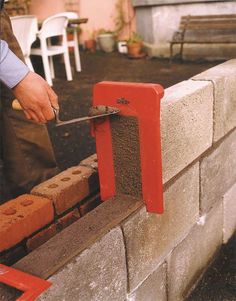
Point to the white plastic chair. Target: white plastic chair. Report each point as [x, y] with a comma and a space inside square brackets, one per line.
[53, 26]
[74, 43]
[25, 29]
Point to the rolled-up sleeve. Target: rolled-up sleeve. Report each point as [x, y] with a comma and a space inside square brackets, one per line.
[12, 69]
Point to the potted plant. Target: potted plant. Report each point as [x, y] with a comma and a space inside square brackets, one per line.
[134, 45]
[106, 40]
[90, 44]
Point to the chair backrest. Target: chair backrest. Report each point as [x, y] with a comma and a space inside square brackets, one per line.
[25, 29]
[53, 26]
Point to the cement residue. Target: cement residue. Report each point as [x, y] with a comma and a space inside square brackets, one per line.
[126, 154]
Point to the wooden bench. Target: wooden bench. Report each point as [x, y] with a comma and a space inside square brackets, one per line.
[204, 29]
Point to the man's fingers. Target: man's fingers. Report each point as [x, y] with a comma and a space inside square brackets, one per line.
[32, 115]
[48, 113]
[53, 98]
[38, 117]
[27, 114]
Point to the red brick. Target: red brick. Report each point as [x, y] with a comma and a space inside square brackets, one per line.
[68, 219]
[69, 187]
[40, 238]
[91, 161]
[89, 204]
[21, 217]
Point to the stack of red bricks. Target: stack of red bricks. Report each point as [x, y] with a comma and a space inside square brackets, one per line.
[31, 219]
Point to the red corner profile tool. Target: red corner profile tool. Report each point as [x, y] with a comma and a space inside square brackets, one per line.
[140, 102]
[30, 286]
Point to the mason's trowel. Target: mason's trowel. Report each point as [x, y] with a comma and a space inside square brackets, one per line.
[94, 113]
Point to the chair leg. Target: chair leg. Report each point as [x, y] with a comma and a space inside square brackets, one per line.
[67, 65]
[28, 63]
[47, 69]
[51, 66]
[76, 52]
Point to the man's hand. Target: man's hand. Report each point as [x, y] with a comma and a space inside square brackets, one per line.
[36, 98]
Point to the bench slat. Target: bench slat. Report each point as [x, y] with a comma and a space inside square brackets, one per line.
[227, 16]
[207, 26]
[210, 36]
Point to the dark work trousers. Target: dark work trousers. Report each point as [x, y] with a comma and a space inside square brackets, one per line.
[26, 153]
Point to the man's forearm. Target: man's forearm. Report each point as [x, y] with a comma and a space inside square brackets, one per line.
[12, 69]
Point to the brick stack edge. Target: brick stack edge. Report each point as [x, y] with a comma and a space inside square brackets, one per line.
[31, 219]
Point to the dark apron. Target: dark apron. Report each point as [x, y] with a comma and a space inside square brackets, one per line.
[26, 149]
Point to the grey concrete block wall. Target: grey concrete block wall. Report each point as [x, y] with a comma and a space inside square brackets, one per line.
[223, 77]
[218, 172]
[149, 237]
[97, 274]
[229, 202]
[154, 288]
[190, 258]
[186, 124]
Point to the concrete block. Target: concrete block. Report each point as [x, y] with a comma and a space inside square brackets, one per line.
[192, 256]
[21, 217]
[218, 172]
[97, 274]
[153, 288]
[223, 78]
[186, 124]
[69, 187]
[229, 202]
[149, 237]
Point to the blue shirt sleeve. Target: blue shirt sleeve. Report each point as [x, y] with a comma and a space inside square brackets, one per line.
[12, 69]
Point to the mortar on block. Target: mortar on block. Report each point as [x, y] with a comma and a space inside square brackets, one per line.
[129, 145]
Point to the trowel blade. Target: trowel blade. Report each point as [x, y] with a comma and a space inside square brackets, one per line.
[106, 111]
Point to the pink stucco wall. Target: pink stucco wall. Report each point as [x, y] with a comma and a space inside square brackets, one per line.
[45, 8]
[101, 14]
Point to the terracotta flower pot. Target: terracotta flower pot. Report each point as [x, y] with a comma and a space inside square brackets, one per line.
[134, 49]
[90, 45]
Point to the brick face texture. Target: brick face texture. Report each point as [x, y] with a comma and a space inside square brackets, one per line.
[21, 217]
[69, 187]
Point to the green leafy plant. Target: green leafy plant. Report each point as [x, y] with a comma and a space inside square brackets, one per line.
[134, 38]
[105, 31]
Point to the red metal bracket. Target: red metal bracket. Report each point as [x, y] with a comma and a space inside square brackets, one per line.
[31, 286]
[143, 102]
